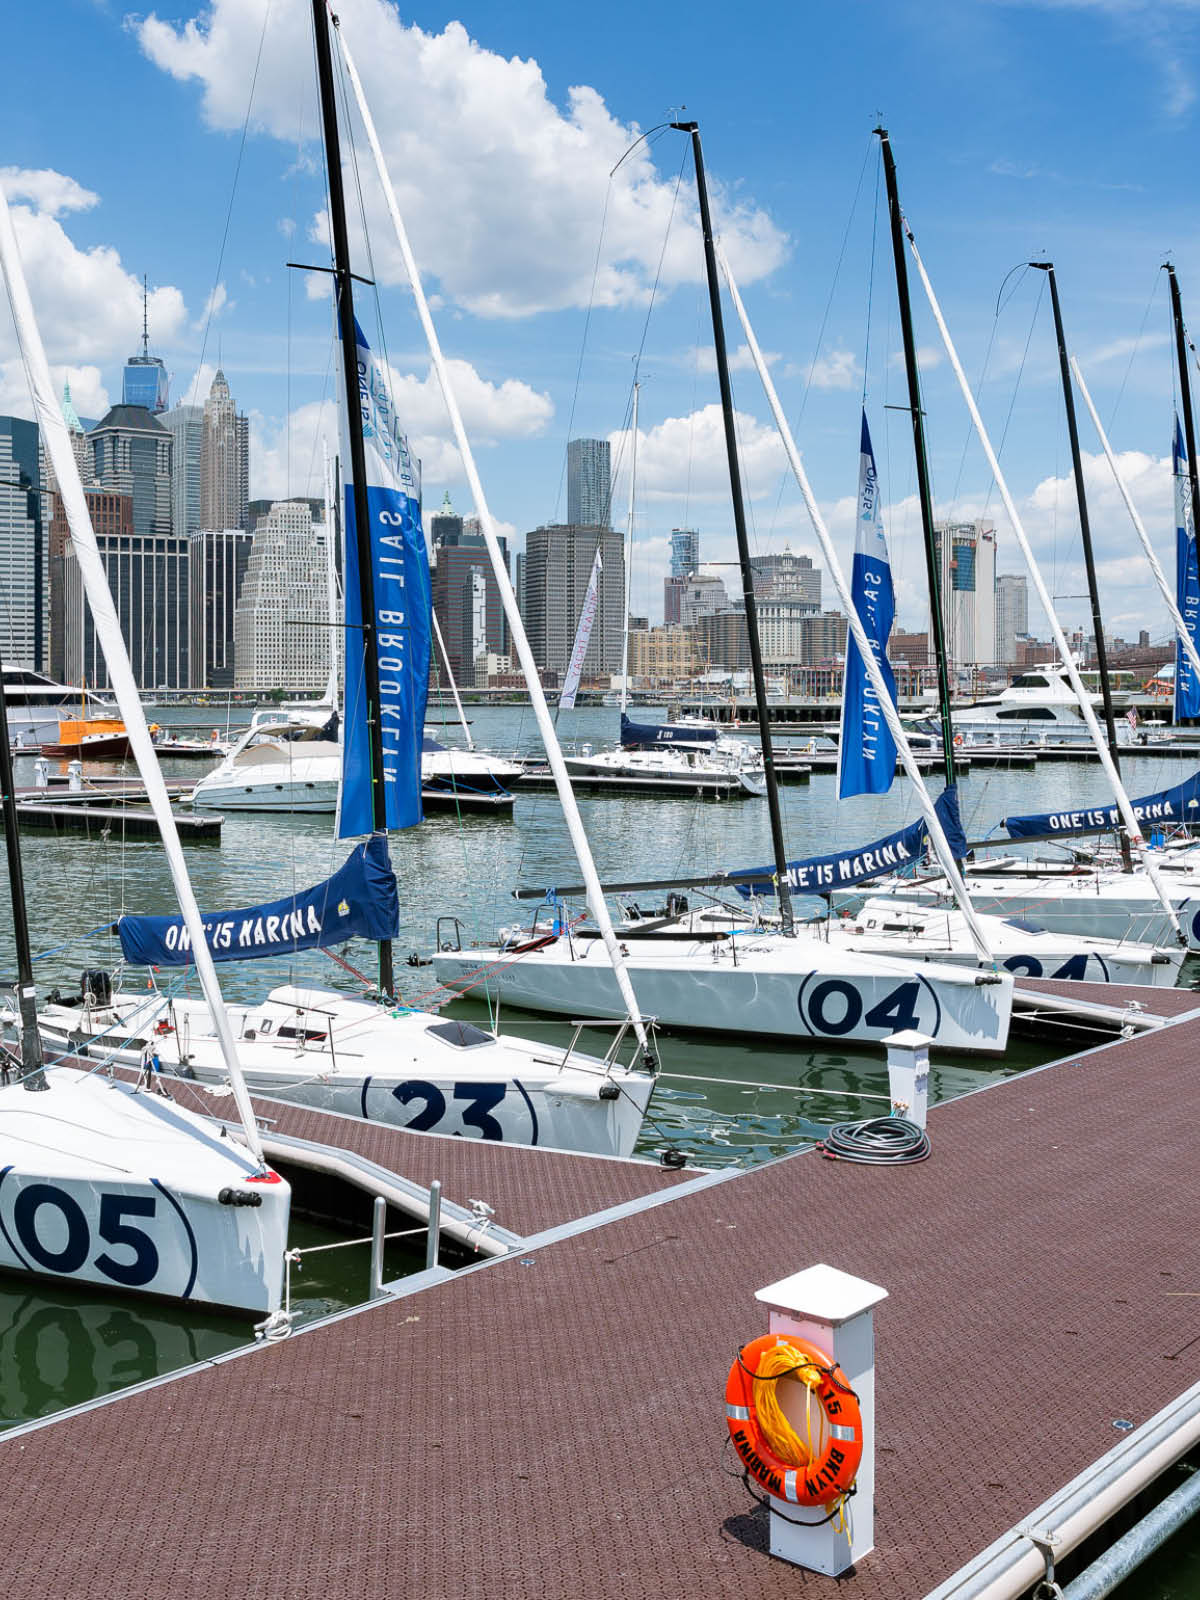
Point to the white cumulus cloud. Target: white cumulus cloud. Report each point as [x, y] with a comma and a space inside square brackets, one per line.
[502, 188]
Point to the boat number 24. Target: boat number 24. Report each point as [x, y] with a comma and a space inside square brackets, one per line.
[135, 1266]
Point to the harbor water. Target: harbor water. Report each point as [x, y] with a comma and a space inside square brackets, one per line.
[722, 1099]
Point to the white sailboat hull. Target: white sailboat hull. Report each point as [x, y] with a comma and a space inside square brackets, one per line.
[754, 984]
[119, 1188]
[336, 1053]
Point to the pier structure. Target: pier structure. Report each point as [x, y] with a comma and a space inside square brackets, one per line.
[550, 1423]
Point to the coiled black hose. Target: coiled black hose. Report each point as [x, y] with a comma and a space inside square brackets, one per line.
[878, 1142]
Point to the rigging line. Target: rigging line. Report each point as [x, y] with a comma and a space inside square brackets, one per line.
[871, 277]
[1023, 268]
[785, 477]
[1017, 385]
[1112, 416]
[237, 169]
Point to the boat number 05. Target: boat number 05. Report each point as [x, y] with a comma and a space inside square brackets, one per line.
[836, 1007]
[133, 1269]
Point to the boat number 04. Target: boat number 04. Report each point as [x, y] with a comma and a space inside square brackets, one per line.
[48, 1229]
[836, 1007]
[470, 1115]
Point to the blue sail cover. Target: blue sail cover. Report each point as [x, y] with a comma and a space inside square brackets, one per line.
[360, 900]
[1180, 804]
[400, 577]
[645, 735]
[1187, 583]
[894, 852]
[866, 749]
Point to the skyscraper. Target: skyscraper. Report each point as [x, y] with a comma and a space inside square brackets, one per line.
[685, 552]
[558, 566]
[144, 381]
[185, 424]
[24, 553]
[445, 525]
[466, 596]
[787, 576]
[111, 514]
[284, 588]
[224, 461]
[218, 562]
[131, 454]
[1012, 615]
[966, 553]
[589, 483]
[148, 577]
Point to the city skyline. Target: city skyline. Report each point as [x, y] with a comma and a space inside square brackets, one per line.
[544, 269]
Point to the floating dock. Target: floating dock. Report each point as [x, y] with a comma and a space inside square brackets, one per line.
[707, 785]
[551, 1423]
[112, 821]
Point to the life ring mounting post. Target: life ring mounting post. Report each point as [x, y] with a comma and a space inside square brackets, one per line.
[831, 1312]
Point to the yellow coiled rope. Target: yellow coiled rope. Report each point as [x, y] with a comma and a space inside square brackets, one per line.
[787, 1364]
[783, 1363]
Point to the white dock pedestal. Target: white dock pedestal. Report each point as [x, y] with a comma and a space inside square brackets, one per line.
[908, 1075]
[832, 1310]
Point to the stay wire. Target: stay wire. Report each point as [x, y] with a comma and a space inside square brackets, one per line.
[237, 170]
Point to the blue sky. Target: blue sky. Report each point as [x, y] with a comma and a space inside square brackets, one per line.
[1021, 130]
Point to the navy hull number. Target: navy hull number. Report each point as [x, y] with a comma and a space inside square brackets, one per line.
[133, 1261]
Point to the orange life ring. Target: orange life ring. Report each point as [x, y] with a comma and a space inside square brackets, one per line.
[831, 1473]
[958, 739]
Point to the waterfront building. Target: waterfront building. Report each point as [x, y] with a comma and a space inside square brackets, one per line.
[786, 576]
[445, 525]
[224, 461]
[466, 602]
[685, 552]
[131, 455]
[185, 424]
[80, 449]
[111, 514]
[280, 630]
[589, 483]
[791, 633]
[702, 594]
[148, 577]
[218, 562]
[24, 553]
[966, 557]
[909, 648]
[558, 566]
[723, 641]
[663, 655]
[672, 596]
[1012, 615]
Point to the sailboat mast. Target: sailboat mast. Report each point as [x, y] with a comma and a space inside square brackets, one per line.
[629, 553]
[739, 523]
[1185, 394]
[937, 621]
[32, 1075]
[343, 290]
[1085, 530]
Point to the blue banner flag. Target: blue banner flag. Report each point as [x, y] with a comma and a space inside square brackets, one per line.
[400, 576]
[1180, 804]
[359, 901]
[645, 735]
[895, 852]
[867, 751]
[1187, 583]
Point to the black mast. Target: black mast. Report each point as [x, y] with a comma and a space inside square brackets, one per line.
[1089, 560]
[1185, 394]
[743, 543]
[362, 533]
[937, 626]
[32, 1075]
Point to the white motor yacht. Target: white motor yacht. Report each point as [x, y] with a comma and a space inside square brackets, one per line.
[1038, 706]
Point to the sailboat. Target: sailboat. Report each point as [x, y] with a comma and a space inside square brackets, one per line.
[104, 1181]
[785, 982]
[373, 1058]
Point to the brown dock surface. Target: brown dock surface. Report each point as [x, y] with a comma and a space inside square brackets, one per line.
[552, 1425]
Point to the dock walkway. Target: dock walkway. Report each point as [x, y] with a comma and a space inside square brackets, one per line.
[552, 1424]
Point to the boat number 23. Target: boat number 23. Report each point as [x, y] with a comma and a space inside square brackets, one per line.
[133, 1268]
[481, 1099]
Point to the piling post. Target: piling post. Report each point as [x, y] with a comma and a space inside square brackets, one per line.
[433, 1238]
[833, 1311]
[378, 1229]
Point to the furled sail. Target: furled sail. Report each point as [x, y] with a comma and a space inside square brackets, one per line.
[400, 581]
[1168, 806]
[1187, 584]
[867, 751]
[360, 900]
[893, 853]
[645, 735]
[583, 637]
